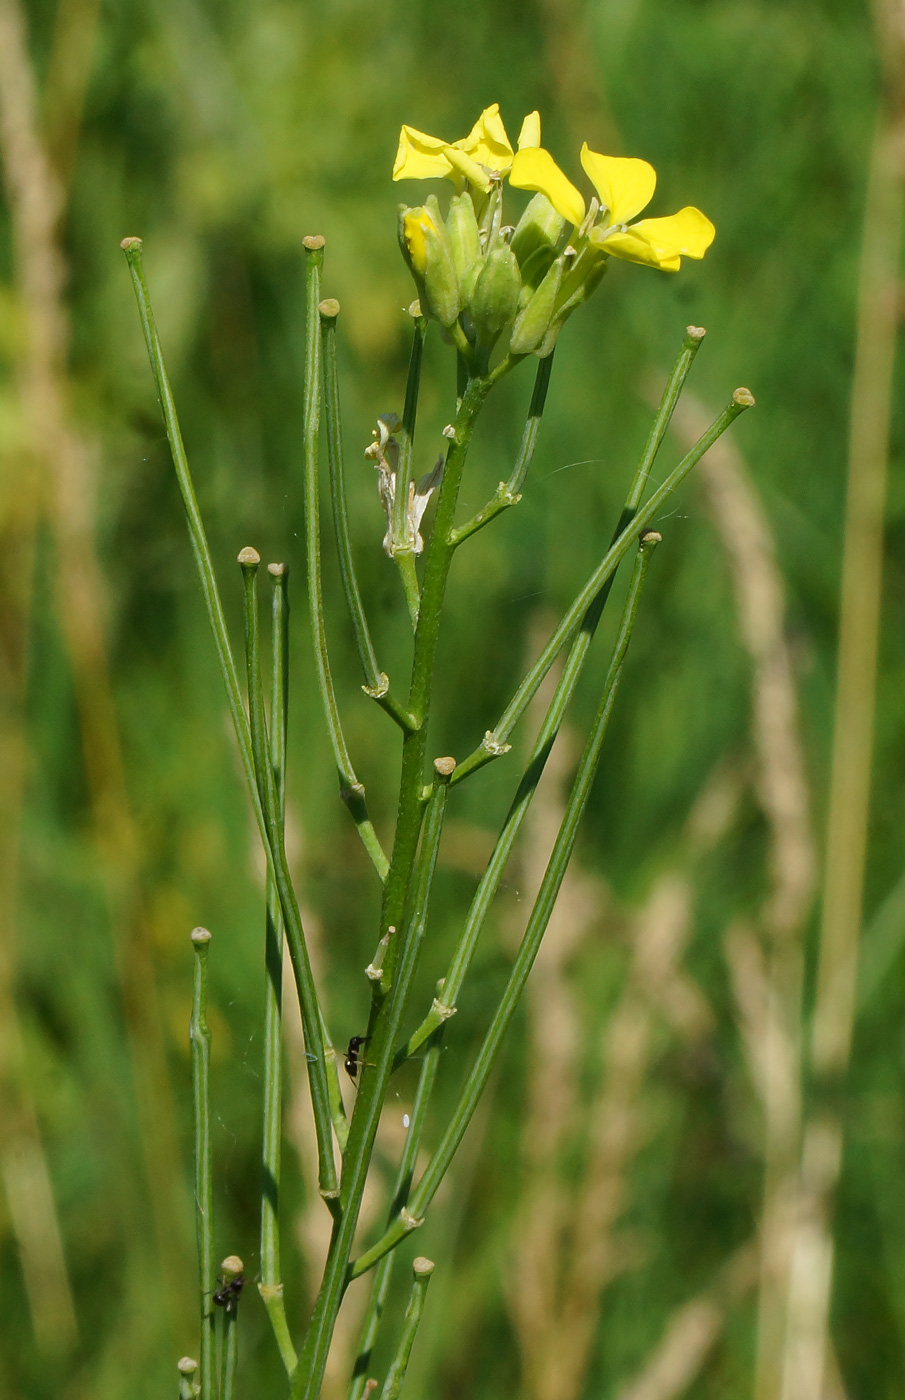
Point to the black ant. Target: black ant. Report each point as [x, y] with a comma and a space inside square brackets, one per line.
[227, 1295]
[353, 1061]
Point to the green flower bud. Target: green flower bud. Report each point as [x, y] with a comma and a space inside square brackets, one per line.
[533, 321]
[494, 300]
[534, 242]
[465, 242]
[426, 248]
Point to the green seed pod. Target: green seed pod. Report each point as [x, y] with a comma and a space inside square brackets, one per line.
[426, 248]
[533, 321]
[534, 242]
[494, 300]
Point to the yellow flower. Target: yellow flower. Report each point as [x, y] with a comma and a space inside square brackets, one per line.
[624, 187]
[483, 154]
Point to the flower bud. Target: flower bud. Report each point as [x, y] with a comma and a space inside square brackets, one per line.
[534, 242]
[533, 321]
[465, 242]
[494, 300]
[426, 248]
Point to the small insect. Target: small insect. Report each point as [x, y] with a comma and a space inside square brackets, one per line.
[353, 1061]
[227, 1295]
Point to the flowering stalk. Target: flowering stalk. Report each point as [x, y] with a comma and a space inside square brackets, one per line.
[501, 294]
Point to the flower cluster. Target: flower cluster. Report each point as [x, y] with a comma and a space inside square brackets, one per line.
[482, 275]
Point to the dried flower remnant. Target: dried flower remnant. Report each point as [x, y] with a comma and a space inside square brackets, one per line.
[384, 453]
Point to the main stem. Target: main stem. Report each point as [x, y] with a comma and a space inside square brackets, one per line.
[388, 1009]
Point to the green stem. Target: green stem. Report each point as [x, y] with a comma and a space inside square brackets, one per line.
[508, 493]
[404, 560]
[422, 1270]
[694, 336]
[199, 1032]
[444, 1006]
[271, 1285]
[383, 1273]
[411, 1215]
[387, 1010]
[494, 742]
[230, 1349]
[187, 1368]
[249, 560]
[375, 1077]
[376, 682]
[132, 247]
[351, 790]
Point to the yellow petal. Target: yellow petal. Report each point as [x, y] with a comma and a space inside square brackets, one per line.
[625, 185]
[487, 143]
[662, 242]
[530, 133]
[420, 157]
[533, 168]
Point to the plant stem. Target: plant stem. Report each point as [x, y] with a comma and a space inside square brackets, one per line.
[495, 740]
[376, 682]
[271, 1286]
[230, 1351]
[422, 1270]
[200, 1036]
[311, 1015]
[411, 1215]
[187, 1368]
[249, 559]
[383, 1272]
[351, 790]
[444, 1005]
[132, 247]
[374, 1078]
[508, 493]
[387, 1011]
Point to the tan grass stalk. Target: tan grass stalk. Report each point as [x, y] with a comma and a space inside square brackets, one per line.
[771, 1023]
[65, 487]
[691, 1332]
[859, 625]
